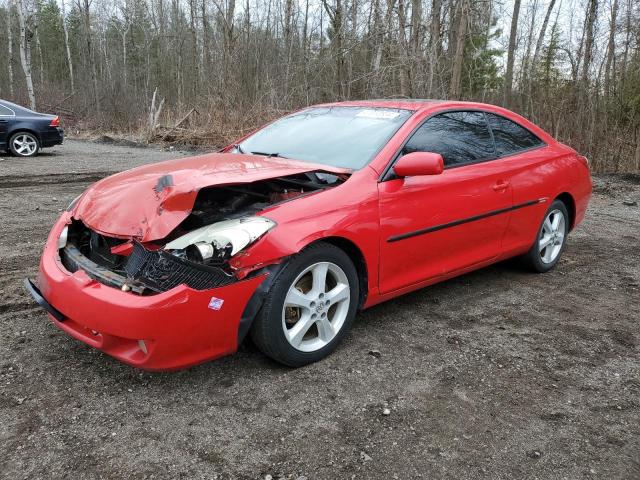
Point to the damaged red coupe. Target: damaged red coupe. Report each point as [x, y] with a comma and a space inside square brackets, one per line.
[286, 234]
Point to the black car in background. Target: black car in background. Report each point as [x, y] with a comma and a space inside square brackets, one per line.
[24, 132]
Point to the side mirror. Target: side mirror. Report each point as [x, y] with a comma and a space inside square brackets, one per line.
[419, 163]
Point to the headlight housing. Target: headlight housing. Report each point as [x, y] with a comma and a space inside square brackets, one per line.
[220, 241]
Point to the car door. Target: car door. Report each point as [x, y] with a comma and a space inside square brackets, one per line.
[526, 162]
[5, 115]
[434, 225]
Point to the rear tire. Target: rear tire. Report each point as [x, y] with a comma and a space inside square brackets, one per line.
[310, 307]
[551, 239]
[24, 144]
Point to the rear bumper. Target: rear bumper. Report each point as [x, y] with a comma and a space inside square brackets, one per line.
[167, 331]
[582, 195]
[52, 136]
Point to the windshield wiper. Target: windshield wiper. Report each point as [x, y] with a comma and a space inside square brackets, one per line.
[238, 147]
[264, 154]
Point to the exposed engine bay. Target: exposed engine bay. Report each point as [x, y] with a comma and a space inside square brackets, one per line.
[222, 222]
[215, 204]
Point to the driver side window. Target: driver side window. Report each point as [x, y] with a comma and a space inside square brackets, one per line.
[460, 137]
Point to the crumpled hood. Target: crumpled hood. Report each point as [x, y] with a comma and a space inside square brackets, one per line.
[148, 202]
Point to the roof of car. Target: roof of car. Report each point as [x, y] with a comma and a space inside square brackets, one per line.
[15, 107]
[413, 104]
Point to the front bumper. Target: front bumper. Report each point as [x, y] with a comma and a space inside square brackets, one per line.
[179, 328]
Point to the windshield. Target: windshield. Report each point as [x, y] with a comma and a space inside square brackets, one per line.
[346, 137]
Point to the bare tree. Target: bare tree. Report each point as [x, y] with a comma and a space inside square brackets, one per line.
[336, 16]
[611, 46]
[508, 76]
[456, 74]
[25, 51]
[435, 44]
[590, 21]
[84, 8]
[10, 49]
[543, 31]
[63, 19]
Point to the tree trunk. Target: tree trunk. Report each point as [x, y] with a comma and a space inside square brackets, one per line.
[458, 59]
[194, 48]
[66, 45]
[588, 45]
[206, 55]
[435, 43]
[25, 53]
[39, 46]
[336, 16]
[90, 56]
[376, 39]
[10, 50]
[415, 41]
[288, 42]
[611, 48]
[508, 76]
[403, 71]
[543, 30]
[228, 33]
[627, 43]
[526, 64]
[124, 54]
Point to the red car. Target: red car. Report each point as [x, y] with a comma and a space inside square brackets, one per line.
[286, 234]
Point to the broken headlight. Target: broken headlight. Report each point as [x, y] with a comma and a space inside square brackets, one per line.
[220, 241]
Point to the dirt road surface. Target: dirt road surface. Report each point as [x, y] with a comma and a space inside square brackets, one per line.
[498, 374]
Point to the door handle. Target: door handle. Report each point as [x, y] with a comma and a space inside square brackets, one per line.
[501, 185]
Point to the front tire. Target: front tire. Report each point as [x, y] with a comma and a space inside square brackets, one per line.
[550, 240]
[24, 144]
[310, 307]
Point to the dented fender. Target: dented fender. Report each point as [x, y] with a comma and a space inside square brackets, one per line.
[348, 211]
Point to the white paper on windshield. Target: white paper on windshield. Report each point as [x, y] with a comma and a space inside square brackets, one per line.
[376, 113]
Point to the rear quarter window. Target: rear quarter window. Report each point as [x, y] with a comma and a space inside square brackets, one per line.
[511, 138]
[5, 112]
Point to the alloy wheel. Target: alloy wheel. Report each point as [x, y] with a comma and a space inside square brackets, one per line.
[25, 145]
[551, 236]
[316, 306]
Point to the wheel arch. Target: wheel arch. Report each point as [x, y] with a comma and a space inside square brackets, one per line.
[570, 203]
[357, 257]
[257, 299]
[19, 129]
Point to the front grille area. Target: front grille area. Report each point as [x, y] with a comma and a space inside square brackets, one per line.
[143, 271]
[163, 271]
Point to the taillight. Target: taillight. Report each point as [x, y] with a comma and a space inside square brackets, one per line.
[55, 122]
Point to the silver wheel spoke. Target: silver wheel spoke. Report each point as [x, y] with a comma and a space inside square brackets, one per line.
[325, 329]
[547, 226]
[319, 273]
[338, 294]
[545, 241]
[297, 299]
[296, 333]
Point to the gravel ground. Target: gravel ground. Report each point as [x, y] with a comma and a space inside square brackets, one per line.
[498, 374]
